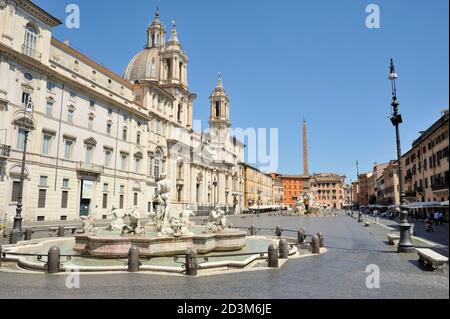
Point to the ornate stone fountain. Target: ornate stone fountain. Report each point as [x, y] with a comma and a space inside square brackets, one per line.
[169, 232]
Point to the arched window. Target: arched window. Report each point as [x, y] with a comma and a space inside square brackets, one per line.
[30, 40]
[157, 165]
[217, 109]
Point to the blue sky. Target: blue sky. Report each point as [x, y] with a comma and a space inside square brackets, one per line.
[286, 60]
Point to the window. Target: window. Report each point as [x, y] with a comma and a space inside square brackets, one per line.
[25, 99]
[70, 113]
[68, 149]
[89, 153]
[91, 104]
[108, 155]
[43, 181]
[72, 95]
[123, 161]
[124, 134]
[157, 165]
[21, 139]
[30, 41]
[110, 111]
[108, 128]
[41, 198]
[50, 86]
[49, 108]
[65, 183]
[15, 192]
[138, 138]
[122, 189]
[179, 113]
[137, 164]
[105, 201]
[121, 201]
[64, 199]
[135, 202]
[217, 109]
[105, 187]
[91, 122]
[46, 140]
[28, 77]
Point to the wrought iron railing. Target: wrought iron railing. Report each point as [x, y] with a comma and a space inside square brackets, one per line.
[31, 52]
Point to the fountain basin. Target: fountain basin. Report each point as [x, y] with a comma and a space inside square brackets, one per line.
[106, 245]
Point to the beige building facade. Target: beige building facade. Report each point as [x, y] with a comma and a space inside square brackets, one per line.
[258, 188]
[427, 164]
[99, 139]
[328, 188]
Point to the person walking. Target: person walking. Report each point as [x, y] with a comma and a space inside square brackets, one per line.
[436, 217]
[441, 218]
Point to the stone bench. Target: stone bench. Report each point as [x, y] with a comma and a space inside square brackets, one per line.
[392, 238]
[431, 258]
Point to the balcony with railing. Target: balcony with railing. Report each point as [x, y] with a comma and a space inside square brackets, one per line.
[5, 151]
[90, 168]
[31, 52]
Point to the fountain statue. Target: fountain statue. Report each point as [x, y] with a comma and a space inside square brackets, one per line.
[88, 225]
[118, 222]
[217, 221]
[167, 221]
[134, 225]
[307, 205]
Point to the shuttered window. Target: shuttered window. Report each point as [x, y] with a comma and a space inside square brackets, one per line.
[64, 199]
[15, 192]
[41, 199]
[105, 201]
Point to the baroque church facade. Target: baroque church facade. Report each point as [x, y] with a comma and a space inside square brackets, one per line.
[99, 140]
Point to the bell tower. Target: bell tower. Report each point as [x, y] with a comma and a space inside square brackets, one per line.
[219, 120]
[174, 61]
[156, 33]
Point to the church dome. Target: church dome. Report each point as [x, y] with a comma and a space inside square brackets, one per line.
[144, 66]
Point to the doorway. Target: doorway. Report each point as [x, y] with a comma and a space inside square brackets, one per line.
[86, 197]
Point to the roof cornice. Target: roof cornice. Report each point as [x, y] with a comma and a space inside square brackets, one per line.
[39, 13]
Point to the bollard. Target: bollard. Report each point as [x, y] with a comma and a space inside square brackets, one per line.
[321, 240]
[301, 235]
[13, 237]
[28, 234]
[252, 231]
[360, 218]
[315, 245]
[61, 231]
[284, 249]
[133, 259]
[53, 260]
[278, 231]
[191, 263]
[273, 256]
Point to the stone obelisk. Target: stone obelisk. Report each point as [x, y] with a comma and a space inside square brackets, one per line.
[305, 149]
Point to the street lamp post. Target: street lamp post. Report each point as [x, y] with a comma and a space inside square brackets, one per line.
[27, 127]
[358, 185]
[405, 245]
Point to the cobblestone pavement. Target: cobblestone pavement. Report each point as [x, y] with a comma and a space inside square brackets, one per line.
[340, 273]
